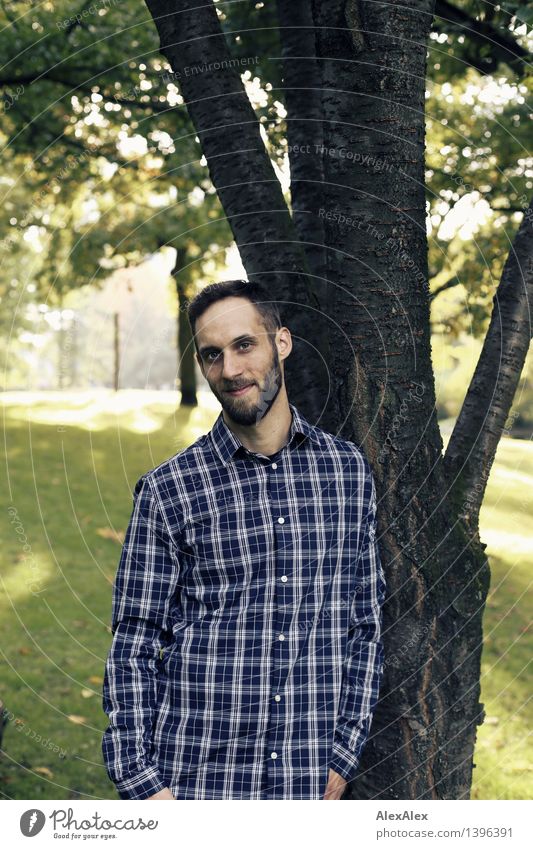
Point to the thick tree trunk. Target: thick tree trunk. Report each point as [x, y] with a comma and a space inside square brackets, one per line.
[303, 103]
[185, 346]
[241, 171]
[3, 721]
[372, 58]
[116, 351]
[479, 426]
[371, 61]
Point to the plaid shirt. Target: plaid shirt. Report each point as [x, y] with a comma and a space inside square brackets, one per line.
[246, 620]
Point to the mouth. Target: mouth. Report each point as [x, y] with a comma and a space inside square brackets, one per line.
[236, 393]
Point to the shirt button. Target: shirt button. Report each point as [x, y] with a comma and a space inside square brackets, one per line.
[273, 755]
[281, 520]
[284, 578]
[281, 637]
[277, 698]
[274, 465]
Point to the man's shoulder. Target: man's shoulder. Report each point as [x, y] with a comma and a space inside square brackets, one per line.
[343, 447]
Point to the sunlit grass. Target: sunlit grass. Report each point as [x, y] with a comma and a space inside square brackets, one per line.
[136, 410]
[504, 761]
[73, 461]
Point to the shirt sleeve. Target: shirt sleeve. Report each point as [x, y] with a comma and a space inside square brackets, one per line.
[363, 664]
[143, 591]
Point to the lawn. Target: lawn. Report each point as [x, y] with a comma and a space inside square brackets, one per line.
[73, 460]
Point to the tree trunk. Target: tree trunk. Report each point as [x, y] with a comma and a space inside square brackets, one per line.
[116, 351]
[61, 347]
[240, 169]
[3, 721]
[380, 393]
[303, 103]
[372, 58]
[185, 342]
[479, 426]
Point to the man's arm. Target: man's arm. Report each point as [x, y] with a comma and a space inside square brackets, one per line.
[146, 580]
[364, 655]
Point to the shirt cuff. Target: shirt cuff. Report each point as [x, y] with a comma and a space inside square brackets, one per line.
[343, 761]
[141, 785]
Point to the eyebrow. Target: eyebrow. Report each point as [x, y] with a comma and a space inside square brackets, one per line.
[206, 349]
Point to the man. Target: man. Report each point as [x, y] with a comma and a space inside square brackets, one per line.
[247, 652]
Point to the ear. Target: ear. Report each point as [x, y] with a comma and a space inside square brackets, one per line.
[284, 342]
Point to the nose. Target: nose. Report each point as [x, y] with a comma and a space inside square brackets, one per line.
[231, 367]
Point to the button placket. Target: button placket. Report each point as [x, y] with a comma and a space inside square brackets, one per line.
[280, 642]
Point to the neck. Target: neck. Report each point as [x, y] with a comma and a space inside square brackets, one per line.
[270, 433]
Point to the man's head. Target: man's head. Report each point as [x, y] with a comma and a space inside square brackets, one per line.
[240, 342]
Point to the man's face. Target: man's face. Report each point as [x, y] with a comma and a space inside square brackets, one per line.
[239, 360]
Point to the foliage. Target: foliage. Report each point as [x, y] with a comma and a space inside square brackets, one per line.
[101, 160]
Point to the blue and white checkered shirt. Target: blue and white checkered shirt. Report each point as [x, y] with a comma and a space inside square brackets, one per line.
[247, 652]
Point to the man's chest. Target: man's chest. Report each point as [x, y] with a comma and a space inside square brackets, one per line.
[255, 526]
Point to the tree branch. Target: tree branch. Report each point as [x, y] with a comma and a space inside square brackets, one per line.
[85, 87]
[478, 429]
[503, 46]
[453, 281]
[77, 22]
[302, 90]
[241, 171]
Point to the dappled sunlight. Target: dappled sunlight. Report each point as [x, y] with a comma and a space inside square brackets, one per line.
[512, 475]
[502, 542]
[135, 410]
[28, 575]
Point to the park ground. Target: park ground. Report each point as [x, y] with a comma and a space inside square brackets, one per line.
[73, 459]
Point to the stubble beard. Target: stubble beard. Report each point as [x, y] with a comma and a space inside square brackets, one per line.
[242, 410]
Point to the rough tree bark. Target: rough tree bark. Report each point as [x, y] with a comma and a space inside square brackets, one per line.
[370, 59]
[303, 104]
[185, 346]
[479, 426]
[193, 43]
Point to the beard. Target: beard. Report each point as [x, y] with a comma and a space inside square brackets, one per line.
[243, 411]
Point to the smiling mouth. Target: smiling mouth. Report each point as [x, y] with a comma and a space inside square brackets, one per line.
[243, 389]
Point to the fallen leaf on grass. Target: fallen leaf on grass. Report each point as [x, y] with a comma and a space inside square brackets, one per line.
[109, 533]
[86, 694]
[43, 770]
[96, 679]
[76, 719]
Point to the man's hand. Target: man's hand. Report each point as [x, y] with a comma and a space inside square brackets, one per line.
[336, 785]
[162, 794]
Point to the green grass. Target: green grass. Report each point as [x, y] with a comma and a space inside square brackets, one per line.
[73, 461]
[68, 484]
[503, 758]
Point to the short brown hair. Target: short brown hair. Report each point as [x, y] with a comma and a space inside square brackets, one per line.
[254, 292]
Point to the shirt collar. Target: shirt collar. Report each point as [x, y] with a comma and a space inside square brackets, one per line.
[227, 444]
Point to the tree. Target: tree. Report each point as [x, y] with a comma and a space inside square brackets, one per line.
[85, 166]
[77, 101]
[364, 304]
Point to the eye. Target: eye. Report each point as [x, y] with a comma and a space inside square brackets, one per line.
[211, 354]
[246, 343]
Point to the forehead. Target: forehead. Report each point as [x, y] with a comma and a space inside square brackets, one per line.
[227, 319]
